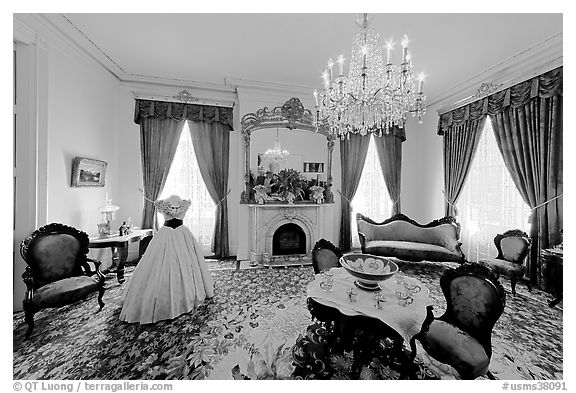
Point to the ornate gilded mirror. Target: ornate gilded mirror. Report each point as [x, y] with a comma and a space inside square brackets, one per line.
[275, 127]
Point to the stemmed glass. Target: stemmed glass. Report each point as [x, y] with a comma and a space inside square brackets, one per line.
[327, 280]
[378, 300]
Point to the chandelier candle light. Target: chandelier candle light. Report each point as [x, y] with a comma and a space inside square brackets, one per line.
[376, 95]
[276, 154]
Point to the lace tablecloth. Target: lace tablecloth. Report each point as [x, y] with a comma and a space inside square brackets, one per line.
[406, 320]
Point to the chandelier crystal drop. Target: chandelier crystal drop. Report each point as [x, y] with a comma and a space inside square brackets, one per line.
[276, 154]
[376, 95]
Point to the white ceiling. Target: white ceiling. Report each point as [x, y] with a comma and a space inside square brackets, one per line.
[294, 48]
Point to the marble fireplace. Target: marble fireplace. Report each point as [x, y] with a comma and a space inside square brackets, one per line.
[284, 234]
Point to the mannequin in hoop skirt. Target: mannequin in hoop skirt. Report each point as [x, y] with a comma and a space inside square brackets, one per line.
[172, 277]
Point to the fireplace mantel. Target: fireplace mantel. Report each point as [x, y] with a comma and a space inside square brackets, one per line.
[267, 218]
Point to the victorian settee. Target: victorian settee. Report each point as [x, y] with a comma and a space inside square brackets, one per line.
[403, 238]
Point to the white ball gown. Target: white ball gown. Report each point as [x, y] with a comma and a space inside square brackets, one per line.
[172, 277]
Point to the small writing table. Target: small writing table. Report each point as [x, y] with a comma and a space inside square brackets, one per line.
[119, 246]
[552, 266]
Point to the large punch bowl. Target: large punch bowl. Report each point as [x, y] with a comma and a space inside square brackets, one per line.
[369, 270]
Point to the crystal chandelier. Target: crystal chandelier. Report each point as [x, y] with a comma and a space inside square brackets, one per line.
[276, 154]
[376, 95]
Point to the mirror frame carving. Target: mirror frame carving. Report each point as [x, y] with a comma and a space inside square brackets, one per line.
[291, 115]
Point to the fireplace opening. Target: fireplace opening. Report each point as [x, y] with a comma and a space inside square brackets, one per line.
[289, 239]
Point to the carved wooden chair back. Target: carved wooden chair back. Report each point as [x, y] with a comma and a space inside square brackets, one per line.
[475, 299]
[55, 252]
[325, 255]
[513, 245]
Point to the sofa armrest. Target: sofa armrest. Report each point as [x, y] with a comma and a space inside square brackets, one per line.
[29, 281]
[459, 249]
[97, 263]
[365, 228]
[362, 238]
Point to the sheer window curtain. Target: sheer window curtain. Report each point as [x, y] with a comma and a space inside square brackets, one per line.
[211, 143]
[158, 143]
[372, 198]
[489, 202]
[185, 180]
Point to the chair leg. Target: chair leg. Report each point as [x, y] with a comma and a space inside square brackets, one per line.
[490, 375]
[100, 295]
[527, 284]
[29, 311]
[513, 281]
[413, 347]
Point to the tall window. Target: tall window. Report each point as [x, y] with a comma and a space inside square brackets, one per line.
[185, 180]
[490, 202]
[371, 198]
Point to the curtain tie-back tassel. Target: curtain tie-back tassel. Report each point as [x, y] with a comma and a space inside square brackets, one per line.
[222, 200]
[547, 202]
[450, 203]
[342, 195]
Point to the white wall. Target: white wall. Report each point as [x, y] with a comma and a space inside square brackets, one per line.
[82, 121]
[422, 170]
[82, 112]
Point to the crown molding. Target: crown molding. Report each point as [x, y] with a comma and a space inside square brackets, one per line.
[73, 36]
[272, 88]
[82, 43]
[163, 90]
[175, 82]
[22, 32]
[542, 57]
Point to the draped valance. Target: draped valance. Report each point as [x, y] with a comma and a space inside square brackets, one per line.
[543, 86]
[182, 111]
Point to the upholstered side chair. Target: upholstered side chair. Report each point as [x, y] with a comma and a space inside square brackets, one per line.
[461, 337]
[512, 246]
[58, 272]
[325, 255]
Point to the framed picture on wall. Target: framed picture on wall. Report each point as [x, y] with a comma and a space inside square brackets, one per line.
[87, 172]
[314, 167]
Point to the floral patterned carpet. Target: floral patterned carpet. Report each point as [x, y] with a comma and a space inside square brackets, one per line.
[248, 331]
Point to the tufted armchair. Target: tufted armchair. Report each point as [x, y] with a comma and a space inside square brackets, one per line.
[512, 246]
[325, 255]
[461, 337]
[58, 272]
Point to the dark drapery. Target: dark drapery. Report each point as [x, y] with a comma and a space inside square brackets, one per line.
[389, 148]
[460, 145]
[527, 122]
[352, 157]
[158, 143]
[181, 111]
[211, 143]
[529, 135]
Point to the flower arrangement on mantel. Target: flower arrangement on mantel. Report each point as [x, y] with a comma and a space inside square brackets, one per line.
[291, 185]
[317, 194]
